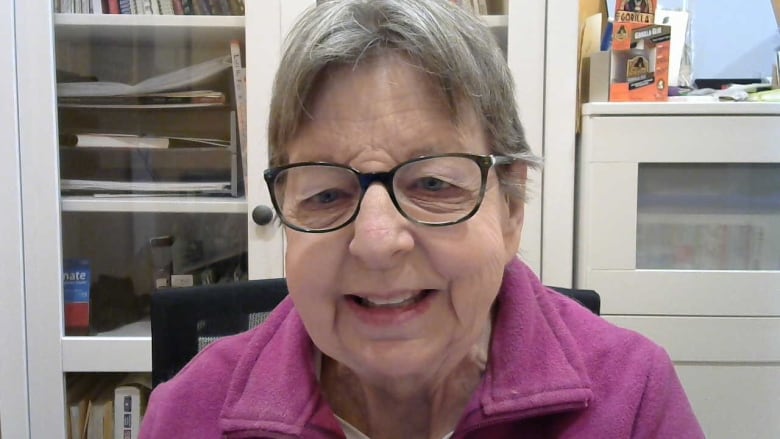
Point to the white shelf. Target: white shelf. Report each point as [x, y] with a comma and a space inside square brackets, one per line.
[680, 108]
[154, 204]
[125, 349]
[148, 29]
[107, 354]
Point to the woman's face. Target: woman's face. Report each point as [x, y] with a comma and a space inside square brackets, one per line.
[388, 298]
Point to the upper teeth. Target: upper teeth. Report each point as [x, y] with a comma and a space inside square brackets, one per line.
[389, 301]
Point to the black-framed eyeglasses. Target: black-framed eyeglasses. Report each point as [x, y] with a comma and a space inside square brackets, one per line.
[441, 190]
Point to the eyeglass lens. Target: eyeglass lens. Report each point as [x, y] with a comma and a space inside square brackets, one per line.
[436, 190]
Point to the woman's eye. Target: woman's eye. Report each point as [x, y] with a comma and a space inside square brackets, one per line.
[432, 184]
[326, 197]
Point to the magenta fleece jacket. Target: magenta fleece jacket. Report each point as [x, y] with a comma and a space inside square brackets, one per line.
[555, 370]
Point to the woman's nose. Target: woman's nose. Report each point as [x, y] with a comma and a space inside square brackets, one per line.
[381, 234]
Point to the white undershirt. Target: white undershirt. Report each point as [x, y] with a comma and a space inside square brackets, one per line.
[353, 433]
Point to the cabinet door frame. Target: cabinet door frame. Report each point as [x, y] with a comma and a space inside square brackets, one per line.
[14, 408]
[38, 147]
[263, 51]
[556, 232]
[525, 57]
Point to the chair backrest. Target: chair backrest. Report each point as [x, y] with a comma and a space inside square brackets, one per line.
[587, 298]
[185, 320]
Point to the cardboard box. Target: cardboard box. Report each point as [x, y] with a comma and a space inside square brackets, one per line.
[637, 66]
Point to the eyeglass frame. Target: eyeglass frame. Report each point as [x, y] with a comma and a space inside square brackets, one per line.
[366, 179]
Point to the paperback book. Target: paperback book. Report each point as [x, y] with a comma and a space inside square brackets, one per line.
[76, 283]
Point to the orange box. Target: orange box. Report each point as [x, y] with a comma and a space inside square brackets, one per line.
[637, 66]
[635, 11]
[639, 69]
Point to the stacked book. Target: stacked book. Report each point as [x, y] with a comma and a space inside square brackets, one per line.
[106, 406]
[151, 7]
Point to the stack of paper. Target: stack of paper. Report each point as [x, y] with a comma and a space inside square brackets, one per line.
[145, 186]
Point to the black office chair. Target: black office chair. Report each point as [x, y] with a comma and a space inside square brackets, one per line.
[587, 298]
[185, 320]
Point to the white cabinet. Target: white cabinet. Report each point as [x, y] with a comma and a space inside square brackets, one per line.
[114, 231]
[13, 366]
[678, 230]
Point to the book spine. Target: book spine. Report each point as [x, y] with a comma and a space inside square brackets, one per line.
[147, 7]
[205, 9]
[215, 7]
[224, 7]
[166, 7]
[236, 7]
[113, 7]
[232, 10]
[76, 285]
[127, 412]
[187, 7]
[178, 8]
[239, 84]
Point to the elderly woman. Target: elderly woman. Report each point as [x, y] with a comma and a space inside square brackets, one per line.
[398, 172]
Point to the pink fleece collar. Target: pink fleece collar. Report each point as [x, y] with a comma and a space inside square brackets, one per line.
[534, 368]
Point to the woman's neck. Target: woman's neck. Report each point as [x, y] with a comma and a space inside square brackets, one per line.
[404, 409]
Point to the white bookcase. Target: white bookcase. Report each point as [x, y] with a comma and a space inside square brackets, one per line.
[41, 354]
[678, 230]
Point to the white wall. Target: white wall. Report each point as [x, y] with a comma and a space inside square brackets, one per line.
[731, 39]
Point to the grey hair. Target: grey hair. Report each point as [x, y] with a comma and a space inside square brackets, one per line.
[445, 41]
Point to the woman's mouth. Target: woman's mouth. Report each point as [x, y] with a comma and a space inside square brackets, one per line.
[409, 299]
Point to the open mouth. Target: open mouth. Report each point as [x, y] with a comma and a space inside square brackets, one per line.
[394, 303]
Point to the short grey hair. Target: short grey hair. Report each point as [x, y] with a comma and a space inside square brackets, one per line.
[447, 42]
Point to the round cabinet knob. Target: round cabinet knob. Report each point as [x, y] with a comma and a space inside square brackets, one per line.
[262, 215]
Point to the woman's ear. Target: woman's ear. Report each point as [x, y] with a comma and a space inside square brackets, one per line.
[515, 212]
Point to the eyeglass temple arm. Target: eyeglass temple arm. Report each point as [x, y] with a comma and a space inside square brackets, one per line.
[503, 159]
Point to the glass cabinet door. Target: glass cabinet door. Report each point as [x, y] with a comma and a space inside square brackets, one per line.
[149, 113]
[708, 216]
[151, 131]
